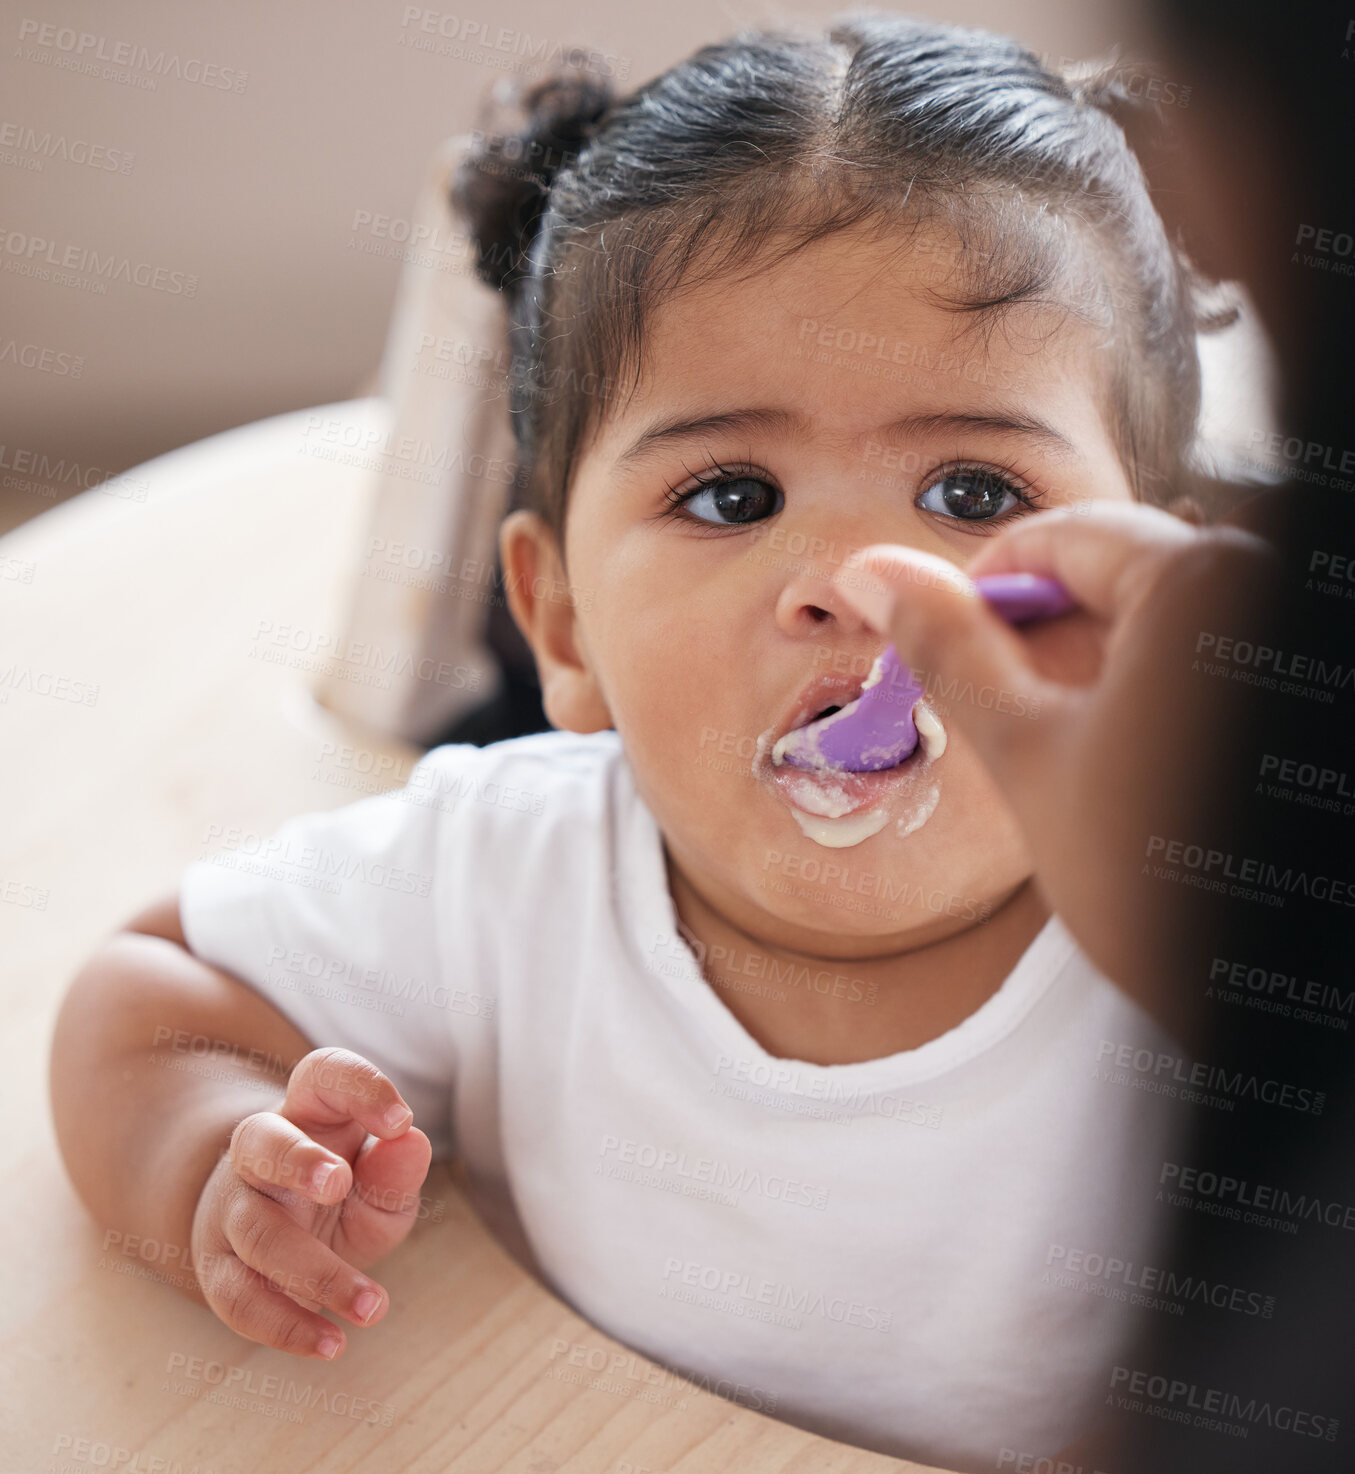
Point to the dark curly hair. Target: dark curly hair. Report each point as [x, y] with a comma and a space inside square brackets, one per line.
[587, 210]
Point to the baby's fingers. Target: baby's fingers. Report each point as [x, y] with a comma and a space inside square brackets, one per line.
[385, 1201]
[275, 1155]
[333, 1087]
[292, 1261]
[242, 1298]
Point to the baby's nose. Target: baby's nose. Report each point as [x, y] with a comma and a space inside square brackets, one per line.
[810, 600]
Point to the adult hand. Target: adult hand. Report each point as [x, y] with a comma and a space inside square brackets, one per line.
[1099, 725]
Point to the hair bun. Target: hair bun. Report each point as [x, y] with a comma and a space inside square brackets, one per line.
[527, 132]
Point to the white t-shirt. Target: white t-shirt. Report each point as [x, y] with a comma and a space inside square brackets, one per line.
[878, 1252]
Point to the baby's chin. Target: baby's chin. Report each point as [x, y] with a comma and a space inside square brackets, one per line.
[890, 882]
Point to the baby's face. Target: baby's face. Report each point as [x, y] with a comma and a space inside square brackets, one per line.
[707, 613]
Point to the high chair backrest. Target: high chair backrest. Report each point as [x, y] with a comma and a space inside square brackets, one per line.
[442, 478]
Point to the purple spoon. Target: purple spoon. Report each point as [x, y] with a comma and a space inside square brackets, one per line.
[876, 730]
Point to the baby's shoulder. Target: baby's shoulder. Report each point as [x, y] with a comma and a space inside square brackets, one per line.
[541, 819]
[537, 783]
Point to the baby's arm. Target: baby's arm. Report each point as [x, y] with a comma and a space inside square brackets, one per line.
[213, 1155]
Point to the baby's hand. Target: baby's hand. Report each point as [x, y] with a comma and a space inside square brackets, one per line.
[304, 1198]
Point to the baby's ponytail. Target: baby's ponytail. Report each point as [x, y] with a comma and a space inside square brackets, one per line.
[528, 132]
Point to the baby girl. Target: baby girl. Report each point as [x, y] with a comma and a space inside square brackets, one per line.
[789, 1078]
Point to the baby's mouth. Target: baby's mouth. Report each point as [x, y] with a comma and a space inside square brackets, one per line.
[832, 793]
[873, 731]
[800, 762]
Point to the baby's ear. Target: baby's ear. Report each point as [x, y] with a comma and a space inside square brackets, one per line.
[545, 608]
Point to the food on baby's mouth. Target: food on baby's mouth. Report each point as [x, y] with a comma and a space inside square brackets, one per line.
[836, 808]
[874, 731]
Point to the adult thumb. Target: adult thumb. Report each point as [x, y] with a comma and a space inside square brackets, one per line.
[962, 652]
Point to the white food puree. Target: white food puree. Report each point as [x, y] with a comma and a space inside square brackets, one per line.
[818, 806]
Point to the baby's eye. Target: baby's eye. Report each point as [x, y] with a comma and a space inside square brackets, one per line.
[731, 500]
[972, 495]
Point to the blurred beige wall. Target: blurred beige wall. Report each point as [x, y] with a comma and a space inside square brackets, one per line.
[220, 155]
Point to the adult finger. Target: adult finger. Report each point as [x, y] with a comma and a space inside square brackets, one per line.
[952, 640]
[1106, 554]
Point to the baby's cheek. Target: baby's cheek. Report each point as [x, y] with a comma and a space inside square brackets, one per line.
[678, 751]
[679, 707]
[974, 832]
